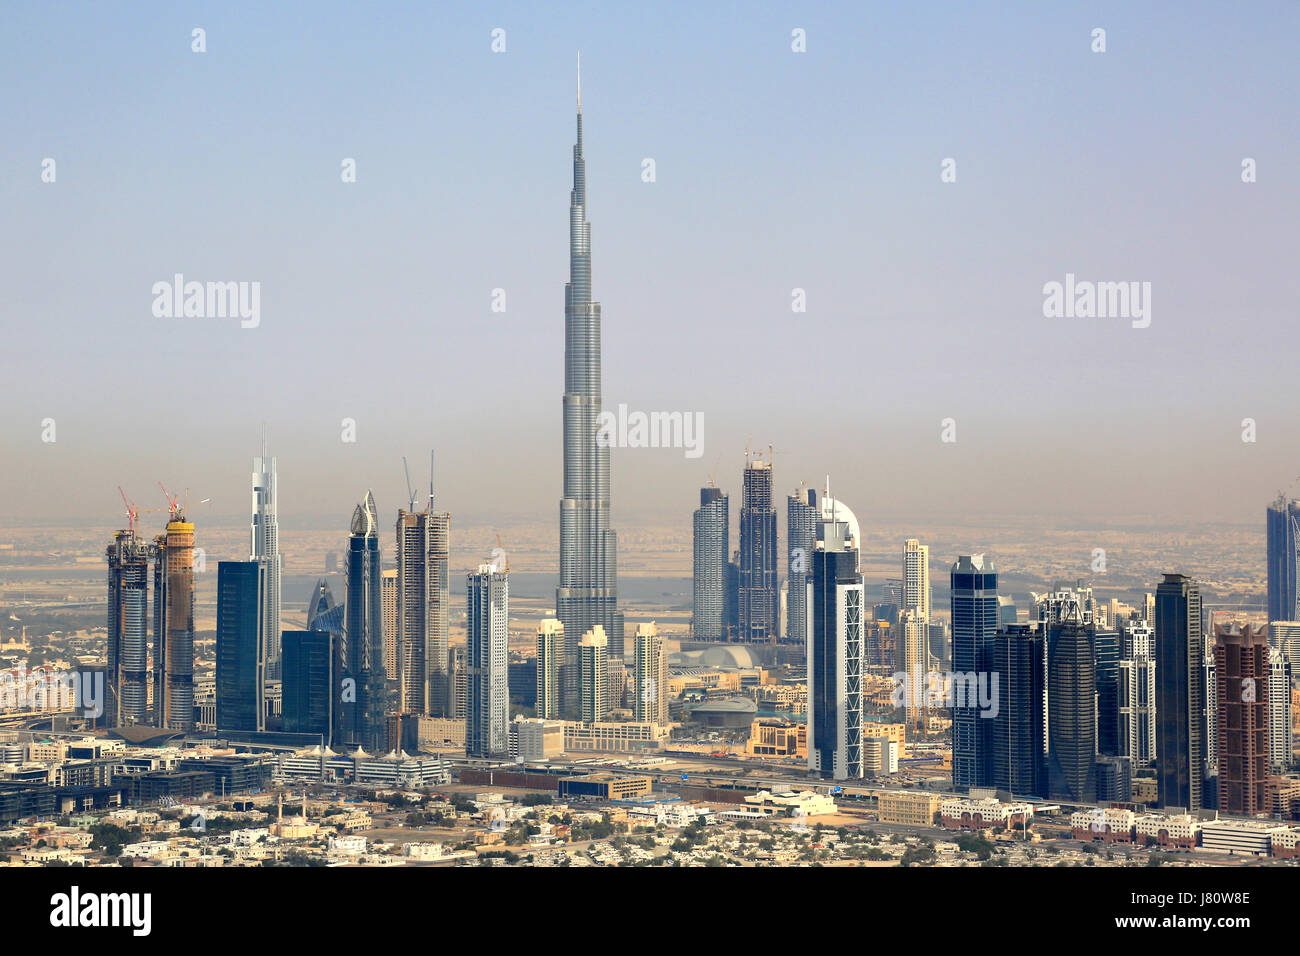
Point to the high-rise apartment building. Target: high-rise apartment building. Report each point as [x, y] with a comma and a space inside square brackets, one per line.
[587, 594]
[593, 652]
[757, 598]
[550, 652]
[916, 579]
[364, 717]
[388, 598]
[1180, 693]
[1279, 712]
[1137, 696]
[836, 651]
[711, 531]
[242, 658]
[1242, 690]
[651, 675]
[913, 640]
[264, 547]
[487, 639]
[974, 584]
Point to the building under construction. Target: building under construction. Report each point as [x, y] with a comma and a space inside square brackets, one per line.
[171, 639]
[128, 629]
[173, 665]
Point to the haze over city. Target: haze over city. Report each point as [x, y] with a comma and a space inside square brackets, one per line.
[774, 172]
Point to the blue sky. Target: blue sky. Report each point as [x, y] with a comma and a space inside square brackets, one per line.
[775, 170]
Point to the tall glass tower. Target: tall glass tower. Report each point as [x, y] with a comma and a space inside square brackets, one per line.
[710, 566]
[588, 591]
[974, 629]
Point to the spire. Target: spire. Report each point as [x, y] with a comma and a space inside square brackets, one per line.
[579, 81]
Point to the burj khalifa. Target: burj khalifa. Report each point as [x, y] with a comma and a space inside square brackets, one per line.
[587, 595]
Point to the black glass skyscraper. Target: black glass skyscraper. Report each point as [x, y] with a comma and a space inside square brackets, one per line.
[240, 675]
[974, 583]
[362, 687]
[1180, 693]
[835, 655]
[1071, 710]
[1020, 663]
[309, 682]
[1106, 650]
[588, 591]
[759, 596]
[1283, 534]
[711, 545]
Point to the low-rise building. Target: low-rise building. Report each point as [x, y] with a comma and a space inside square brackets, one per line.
[915, 808]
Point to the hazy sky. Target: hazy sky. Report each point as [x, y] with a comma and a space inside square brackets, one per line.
[775, 170]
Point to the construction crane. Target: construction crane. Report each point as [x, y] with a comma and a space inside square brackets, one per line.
[174, 508]
[410, 492]
[130, 510]
[501, 548]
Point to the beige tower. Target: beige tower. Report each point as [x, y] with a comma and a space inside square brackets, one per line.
[651, 687]
[593, 675]
[388, 597]
[916, 579]
[550, 650]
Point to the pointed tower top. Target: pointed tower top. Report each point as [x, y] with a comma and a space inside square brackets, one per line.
[579, 81]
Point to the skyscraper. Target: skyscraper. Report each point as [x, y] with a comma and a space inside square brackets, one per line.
[1071, 710]
[322, 601]
[1137, 696]
[241, 646]
[174, 624]
[593, 651]
[912, 640]
[1279, 711]
[801, 517]
[916, 579]
[836, 649]
[1242, 685]
[423, 541]
[1106, 657]
[758, 596]
[651, 675]
[264, 547]
[1282, 524]
[487, 638]
[588, 590]
[1180, 727]
[388, 597]
[550, 649]
[712, 532]
[128, 629]
[364, 721]
[1019, 733]
[974, 583]
[309, 674]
